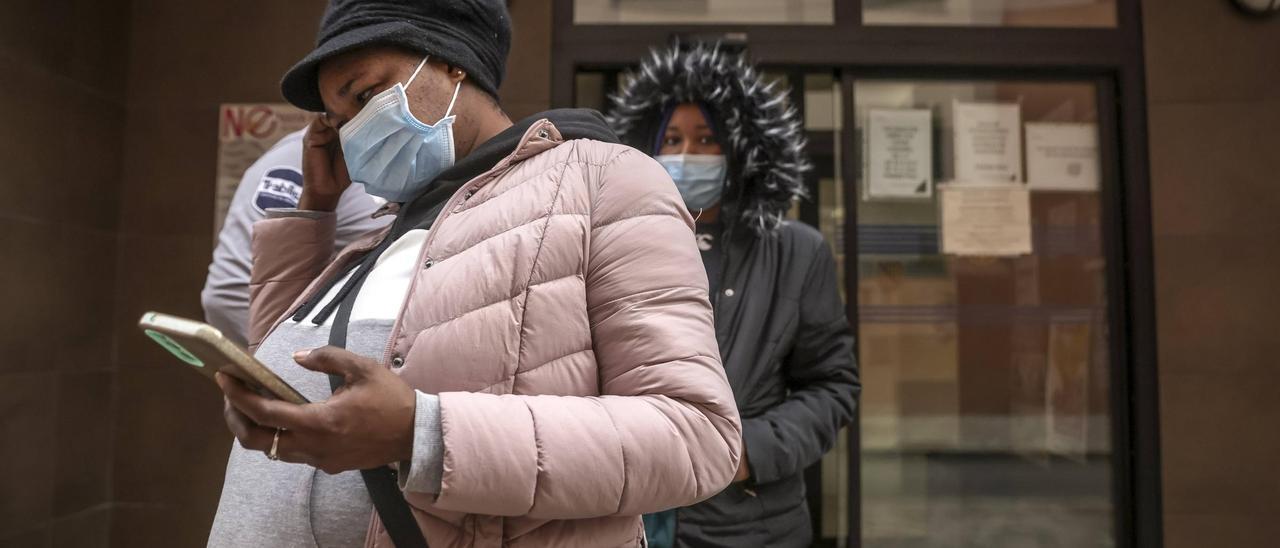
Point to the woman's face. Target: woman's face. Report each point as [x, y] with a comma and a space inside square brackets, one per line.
[688, 133]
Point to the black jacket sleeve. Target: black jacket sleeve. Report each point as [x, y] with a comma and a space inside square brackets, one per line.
[822, 379]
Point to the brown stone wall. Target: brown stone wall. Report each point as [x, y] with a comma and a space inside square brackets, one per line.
[1214, 100]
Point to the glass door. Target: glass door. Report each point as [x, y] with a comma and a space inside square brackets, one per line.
[982, 314]
[983, 337]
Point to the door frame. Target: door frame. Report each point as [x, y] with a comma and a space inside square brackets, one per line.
[1110, 58]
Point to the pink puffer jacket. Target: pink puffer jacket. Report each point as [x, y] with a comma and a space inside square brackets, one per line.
[561, 313]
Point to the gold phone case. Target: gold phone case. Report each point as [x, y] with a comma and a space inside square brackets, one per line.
[204, 348]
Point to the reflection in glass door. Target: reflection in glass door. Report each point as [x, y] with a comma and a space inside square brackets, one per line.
[982, 315]
[984, 418]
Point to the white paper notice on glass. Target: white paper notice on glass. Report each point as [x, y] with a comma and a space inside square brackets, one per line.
[988, 142]
[899, 153]
[985, 219]
[1062, 156]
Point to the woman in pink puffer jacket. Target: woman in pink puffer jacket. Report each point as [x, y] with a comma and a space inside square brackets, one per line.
[550, 370]
[565, 325]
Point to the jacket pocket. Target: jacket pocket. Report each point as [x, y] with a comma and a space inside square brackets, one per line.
[734, 505]
[722, 535]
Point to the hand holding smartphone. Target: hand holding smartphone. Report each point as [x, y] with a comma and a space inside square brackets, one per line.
[203, 347]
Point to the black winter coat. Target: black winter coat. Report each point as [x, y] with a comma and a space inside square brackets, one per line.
[784, 339]
[788, 352]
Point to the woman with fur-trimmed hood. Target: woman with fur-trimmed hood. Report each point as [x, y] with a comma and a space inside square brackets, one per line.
[735, 148]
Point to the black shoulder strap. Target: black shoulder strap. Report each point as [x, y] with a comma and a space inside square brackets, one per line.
[384, 488]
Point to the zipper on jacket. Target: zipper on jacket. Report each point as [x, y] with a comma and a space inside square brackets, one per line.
[730, 223]
[726, 238]
[424, 259]
[466, 192]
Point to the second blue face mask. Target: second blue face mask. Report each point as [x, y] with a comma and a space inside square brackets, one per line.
[698, 177]
[389, 151]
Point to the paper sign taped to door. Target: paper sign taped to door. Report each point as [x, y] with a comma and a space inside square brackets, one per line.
[989, 220]
[988, 142]
[1062, 156]
[899, 153]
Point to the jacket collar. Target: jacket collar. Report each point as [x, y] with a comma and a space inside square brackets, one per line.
[538, 137]
[524, 139]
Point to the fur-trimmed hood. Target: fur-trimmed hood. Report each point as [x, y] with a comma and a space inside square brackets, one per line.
[754, 121]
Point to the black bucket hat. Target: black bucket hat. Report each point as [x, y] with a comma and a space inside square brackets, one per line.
[474, 35]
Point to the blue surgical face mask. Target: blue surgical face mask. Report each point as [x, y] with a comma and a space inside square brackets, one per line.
[392, 153]
[698, 177]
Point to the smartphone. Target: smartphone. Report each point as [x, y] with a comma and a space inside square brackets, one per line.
[204, 348]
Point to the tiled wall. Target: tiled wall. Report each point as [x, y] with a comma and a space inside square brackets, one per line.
[185, 58]
[62, 90]
[1214, 100]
